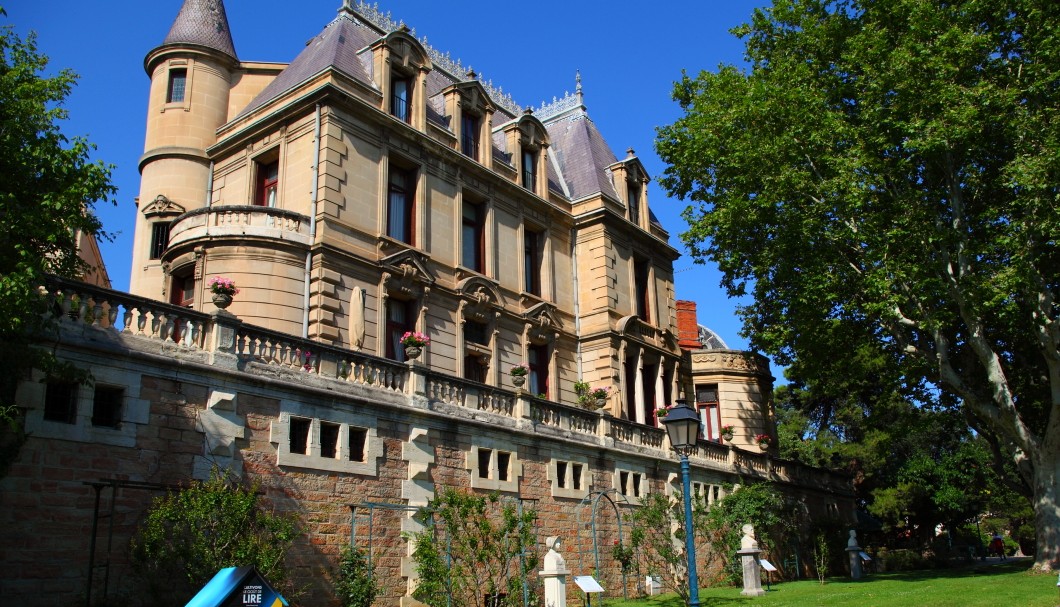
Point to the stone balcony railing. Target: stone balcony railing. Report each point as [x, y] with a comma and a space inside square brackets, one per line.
[222, 340]
[239, 221]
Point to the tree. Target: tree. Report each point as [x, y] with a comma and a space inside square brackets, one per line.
[191, 534]
[46, 197]
[885, 174]
[476, 550]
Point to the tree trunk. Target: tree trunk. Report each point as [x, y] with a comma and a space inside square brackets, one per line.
[1047, 511]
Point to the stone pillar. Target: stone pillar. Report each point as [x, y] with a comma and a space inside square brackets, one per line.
[752, 569]
[220, 344]
[554, 575]
[854, 555]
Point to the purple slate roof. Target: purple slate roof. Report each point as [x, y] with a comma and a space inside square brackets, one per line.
[205, 23]
[336, 47]
[582, 154]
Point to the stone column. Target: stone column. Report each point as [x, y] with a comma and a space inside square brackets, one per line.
[554, 575]
[854, 555]
[220, 344]
[752, 569]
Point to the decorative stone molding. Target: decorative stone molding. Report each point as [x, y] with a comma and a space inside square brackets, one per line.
[162, 207]
[729, 360]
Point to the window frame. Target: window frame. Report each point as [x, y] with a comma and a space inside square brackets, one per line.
[177, 74]
[266, 182]
[395, 327]
[538, 377]
[470, 127]
[401, 105]
[473, 232]
[529, 168]
[159, 238]
[401, 222]
[533, 260]
[107, 411]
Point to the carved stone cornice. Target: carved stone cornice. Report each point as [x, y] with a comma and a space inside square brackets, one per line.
[728, 361]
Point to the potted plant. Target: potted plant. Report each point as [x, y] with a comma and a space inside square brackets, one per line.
[414, 342]
[223, 289]
[763, 441]
[599, 396]
[727, 432]
[589, 397]
[661, 412]
[519, 373]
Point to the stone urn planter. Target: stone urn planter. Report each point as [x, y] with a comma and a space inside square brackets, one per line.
[413, 352]
[727, 436]
[222, 300]
[519, 380]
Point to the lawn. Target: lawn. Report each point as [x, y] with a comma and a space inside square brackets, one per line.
[1005, 585]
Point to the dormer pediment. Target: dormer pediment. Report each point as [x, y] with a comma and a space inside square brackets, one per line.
[405, 51]
[162, 207]
[473, 96]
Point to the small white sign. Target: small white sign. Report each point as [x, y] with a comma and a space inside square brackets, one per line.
[767, 565]
[588, 583]
[865, 557]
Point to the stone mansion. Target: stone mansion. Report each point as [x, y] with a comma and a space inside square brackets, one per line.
[369, 188]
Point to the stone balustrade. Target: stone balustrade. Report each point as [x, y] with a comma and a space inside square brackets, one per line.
[239, 220]
[221, 339]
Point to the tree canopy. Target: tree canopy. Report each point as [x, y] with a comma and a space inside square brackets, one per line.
[884, 179]
[47, 192]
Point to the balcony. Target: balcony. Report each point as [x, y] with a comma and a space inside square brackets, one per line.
[239, 221]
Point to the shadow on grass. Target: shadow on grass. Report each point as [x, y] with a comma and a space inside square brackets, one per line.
[961, 571]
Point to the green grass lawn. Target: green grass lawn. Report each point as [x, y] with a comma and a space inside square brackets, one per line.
[1005, 585]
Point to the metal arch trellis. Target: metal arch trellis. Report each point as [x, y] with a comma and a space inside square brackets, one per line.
[372, 506]
[594, 498]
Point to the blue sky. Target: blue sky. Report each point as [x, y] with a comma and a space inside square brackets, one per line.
[629, 54]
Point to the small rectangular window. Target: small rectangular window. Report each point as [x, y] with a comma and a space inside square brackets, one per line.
[576, 477]
[106, 406]
[485, 456]
[636, 485]
[60, 402]
[159, 238]
[561, 475]
[504, 461]
[178, 80]
[329, 440]
[268, 183]
[358, 439]
[623, 482]
[633, 202]
[300, 435]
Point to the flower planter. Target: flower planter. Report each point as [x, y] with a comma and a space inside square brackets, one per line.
[727, 436]
[222, 300]
[413, 352]
[519, 380]
[764, 446]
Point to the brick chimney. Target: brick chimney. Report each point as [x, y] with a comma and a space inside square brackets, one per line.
[687, 326]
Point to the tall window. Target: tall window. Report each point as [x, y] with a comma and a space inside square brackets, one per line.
[178, 80]
[709, 414]
[538, 363]
[183, 290]
[268, 183]
[400, 318]
[401, 97]
[475, 364]
[473, 237]
[532, 262]
[469, 135]
[633, 201]
[640, 279]
[400, 205]
[529, 169]
[159, 238]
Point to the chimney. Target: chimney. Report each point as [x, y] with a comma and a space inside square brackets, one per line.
[687, 326]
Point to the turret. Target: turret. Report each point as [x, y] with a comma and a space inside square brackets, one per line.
[191, 74]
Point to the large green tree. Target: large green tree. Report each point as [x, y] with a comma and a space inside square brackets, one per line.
[885, 175]
[48, 188]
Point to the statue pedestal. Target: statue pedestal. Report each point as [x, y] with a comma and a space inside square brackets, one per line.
[555, 582]
[752, 572]
[854, 556]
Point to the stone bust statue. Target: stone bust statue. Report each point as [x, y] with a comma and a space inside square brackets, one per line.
[748, 541]
[554, 561]
[853, 541]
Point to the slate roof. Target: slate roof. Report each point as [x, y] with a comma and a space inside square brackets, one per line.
[582, 154]
[335, 47]
[202, 22]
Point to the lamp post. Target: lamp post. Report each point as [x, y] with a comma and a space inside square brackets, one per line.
[682, 425]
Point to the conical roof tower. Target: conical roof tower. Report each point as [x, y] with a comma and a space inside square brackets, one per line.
[202, 23]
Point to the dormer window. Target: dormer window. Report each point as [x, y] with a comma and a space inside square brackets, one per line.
[469, 134]
[633, 201]
[401, 97]
[529, 169]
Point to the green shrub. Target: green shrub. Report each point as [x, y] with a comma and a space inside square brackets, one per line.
[356, 586]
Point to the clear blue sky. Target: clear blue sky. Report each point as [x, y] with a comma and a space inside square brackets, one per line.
[629, 55]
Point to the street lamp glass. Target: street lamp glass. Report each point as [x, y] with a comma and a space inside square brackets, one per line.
[682, 424]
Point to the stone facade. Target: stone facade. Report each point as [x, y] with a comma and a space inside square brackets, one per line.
[368, 188]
